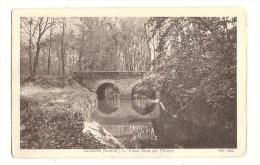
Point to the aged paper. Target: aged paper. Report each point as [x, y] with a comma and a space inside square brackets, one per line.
[117, 81]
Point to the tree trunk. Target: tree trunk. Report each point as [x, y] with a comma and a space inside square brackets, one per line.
[30, 50]
[81, 49]
[80, 54]
[149, 51]
[92, 63]
[49, 57]
[62, 47]
[43, 61]
[80, 63]
[72, 66]
[154, 52]
[35, 64]
[42, 27]
[30, 54]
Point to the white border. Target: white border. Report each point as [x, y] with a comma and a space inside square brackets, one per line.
[240, 13]
[252, 8]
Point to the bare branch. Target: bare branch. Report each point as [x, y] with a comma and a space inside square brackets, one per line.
[26, 30]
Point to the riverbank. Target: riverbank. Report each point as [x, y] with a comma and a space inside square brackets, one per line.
[53, 113]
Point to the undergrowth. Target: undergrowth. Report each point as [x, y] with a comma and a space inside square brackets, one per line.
[52, 117]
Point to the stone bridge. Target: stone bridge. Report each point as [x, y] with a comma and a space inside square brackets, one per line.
[124, 102]
[124, 81]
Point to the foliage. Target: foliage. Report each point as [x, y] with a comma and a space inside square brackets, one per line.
[197, 66]
[52, 117]
[84, 44]
[194, 58]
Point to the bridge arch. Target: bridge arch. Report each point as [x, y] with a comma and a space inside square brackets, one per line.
[142, 104]
[108, 96]
[125, 86]
[98, 82]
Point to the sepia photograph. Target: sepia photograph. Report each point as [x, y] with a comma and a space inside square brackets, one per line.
[143, 84]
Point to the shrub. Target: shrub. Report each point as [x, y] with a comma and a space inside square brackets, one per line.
[51, 117]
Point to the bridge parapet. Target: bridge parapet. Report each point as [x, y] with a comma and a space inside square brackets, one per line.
[109, 75]
[124, 81]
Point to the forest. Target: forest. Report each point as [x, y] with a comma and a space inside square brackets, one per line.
[192, 61]
[59, 46]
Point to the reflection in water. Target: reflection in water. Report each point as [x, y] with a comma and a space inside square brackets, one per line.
[159, 131]
[135, 135]
[135, 124]
[139, 131]
[108, 98]
[141, 101]
[112, 96]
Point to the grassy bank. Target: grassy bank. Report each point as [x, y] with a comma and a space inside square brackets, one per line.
[52, 112]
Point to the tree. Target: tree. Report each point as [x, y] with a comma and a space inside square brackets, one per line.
[86, 44]
[64, 23]
[83, 26]
[42, 24]
[30, 28]
[134, 43]
[49, 56]
[197, 65]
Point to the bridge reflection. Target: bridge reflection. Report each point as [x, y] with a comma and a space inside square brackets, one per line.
[141, 103]
[112, 96]
[132, 135]
[109, 99]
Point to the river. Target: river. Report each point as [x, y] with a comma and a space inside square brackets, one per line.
[135, 129]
